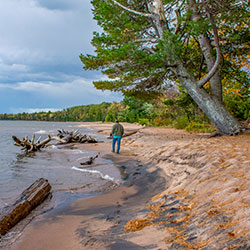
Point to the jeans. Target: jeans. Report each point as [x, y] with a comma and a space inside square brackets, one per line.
[118, 140]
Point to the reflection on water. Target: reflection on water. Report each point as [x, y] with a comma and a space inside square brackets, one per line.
[22, 157]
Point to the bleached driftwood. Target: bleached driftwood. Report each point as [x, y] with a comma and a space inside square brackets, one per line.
[63, 137]
[75, 136]
[30, 198]
[32, 145]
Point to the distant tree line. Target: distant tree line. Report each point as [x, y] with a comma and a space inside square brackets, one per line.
[174, 109]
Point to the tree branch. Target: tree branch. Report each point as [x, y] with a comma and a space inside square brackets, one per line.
[153, 40]
[130, 10]
[218, 56]
[149, 50]
[178, 14]
[201, 65]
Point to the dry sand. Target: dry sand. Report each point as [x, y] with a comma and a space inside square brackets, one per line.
[184, 191]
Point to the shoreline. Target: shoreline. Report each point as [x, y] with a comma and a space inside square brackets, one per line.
[184, 191]
[63, 200]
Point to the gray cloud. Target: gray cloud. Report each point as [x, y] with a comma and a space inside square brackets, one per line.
[40, 44]
[42, 95]
[43, 34]
[60, 4]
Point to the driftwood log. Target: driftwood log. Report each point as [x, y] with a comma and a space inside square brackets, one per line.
[130, 133]
[24, 204]
[90, 160]
[125, 135]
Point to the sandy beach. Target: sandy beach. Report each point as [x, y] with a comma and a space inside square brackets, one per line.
[182, 191]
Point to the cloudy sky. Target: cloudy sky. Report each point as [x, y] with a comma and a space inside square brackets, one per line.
[40, 44]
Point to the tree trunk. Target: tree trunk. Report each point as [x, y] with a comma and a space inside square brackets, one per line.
[25, 203]
[214, 109]
[215, 81]
[205, 45]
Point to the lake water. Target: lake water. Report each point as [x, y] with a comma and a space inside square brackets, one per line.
[59, 165]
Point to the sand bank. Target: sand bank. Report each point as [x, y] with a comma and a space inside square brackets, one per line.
[183, 191]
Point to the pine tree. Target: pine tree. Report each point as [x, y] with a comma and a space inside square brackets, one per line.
[145, 44]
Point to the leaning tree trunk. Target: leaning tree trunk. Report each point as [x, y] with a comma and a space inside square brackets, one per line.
[213, 108]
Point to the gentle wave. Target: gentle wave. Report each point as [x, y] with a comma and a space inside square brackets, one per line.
[41, 132]
[106, 177]
[72, 151]
[77, 151]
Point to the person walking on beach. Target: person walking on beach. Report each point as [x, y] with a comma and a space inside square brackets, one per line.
[117, 133]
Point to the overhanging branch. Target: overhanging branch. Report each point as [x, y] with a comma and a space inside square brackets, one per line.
[153, 40]
[149, 50]
[130, 10]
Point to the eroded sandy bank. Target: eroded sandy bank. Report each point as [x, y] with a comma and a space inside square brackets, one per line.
[206, 202]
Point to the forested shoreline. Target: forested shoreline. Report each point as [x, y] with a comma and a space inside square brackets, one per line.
[175, 109]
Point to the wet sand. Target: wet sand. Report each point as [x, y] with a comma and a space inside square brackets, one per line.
[184, 191]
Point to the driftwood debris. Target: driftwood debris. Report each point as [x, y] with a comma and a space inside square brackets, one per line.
[31, 145]
[125, 135]
[130, 133]
[75, 136]
[90, 160]
[30, 198]
[62, 137]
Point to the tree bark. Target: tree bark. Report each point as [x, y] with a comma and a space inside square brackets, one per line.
[206, 48]
[25, 203]
[215, 81]
[214, 109]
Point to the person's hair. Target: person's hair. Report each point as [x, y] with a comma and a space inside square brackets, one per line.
[116, 121]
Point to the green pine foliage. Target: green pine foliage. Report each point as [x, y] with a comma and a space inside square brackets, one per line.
[119, 55]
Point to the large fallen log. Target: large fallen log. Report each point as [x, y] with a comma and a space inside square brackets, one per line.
[30, 198]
